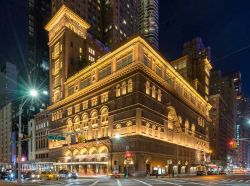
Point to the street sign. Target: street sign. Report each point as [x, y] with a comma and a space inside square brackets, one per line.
[52, 137]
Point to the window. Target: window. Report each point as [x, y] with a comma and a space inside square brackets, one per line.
[71, 90]
[123, 62]
[153, 92]
[92, 59]
[193, 129]
[158, 70]
[104, 97]
[57, 96]
[94, 101]
[130, 85]
[106, 71]
[85, 105]
[148, 88]
[57, 81]
[57, 66]
[147, 61]
[69, 111]
[85, 120]
[94, 118]
[169, 79]
[118, 90]
[159, 95]
[186, 127]
[56, 50]
[104, 116]
[182, 65]
[80, 50]
[85, 82]
[91, 51]
[77, 108]
[124, 87]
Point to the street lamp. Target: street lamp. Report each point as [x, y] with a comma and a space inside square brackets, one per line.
[32, 94]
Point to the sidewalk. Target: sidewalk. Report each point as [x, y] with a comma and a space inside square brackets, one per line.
[5, 183]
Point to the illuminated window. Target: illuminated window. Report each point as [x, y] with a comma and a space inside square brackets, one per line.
[71, 90]
[124, 87]
[130, 85]
[91, 51]
[80, 50]
[57, 66]
[85, 105]
[129, 127]
[148, 88]
[56, 50]
[94, 101]
[193, 129]
[159, 95]
[85, 120]
[118, 90]
[104, 97]
[104, 116]
[69, 111]
[153, 92]
[92, 59]
[57, 96]
[186, 127]
[94, 119]
[57, 81]
[77, 108]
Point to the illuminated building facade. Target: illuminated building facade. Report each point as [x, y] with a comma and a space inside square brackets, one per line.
[130, 99]
[195, 66]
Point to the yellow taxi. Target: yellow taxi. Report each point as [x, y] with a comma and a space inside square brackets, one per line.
[49, 176]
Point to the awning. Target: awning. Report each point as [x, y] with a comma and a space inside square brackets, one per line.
[83, 163]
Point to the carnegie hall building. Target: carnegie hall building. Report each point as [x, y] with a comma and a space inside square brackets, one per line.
[127, 109]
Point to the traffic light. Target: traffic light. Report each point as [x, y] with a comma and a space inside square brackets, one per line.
[128, 154]
[233, 144]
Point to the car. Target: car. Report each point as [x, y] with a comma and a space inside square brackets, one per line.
[49, 176]
[222, 172]
[200, 173]
[7, 176]
[65, 174]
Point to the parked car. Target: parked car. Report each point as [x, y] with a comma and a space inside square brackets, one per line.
[222, 172]
[49, 176]
[30, 175]
[7, 176]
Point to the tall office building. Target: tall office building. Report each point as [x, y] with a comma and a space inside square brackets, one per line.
[195, 65]
[8, 83]
[149, 20]
[39, 12]
[113, 21]
[223, 114]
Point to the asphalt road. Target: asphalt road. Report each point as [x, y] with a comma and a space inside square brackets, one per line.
[227, 180]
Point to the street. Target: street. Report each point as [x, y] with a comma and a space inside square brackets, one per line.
[149, 181]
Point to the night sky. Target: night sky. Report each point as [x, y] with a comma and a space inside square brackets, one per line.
[224, 25]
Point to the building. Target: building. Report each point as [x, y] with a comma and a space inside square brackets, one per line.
[114, 21]
[38, 143]
[194, 66]
[39, 12]
[149, 21]
[6, 136]
[8, 83]
[221, 131]
[223, 114]
[124, 110]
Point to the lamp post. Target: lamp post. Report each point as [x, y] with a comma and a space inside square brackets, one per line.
[32, 93]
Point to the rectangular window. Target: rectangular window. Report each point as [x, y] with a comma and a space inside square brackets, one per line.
[71, 90]
[57, 66]
[57, 81]
[104, 97]
[56, 50]
[169, 79]
[106, 71]
[147, 61]
[69, 111]
[94, 101]
[123, 62]
[77, 108]
[85, 105]
[158, 70]
[85, 82]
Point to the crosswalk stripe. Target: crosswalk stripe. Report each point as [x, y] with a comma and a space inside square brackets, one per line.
[118, 182]
[168, 182]
[143, 182]
[93, 184]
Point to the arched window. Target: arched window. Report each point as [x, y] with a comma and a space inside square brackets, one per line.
[153, 92]
[171, 119]
[159, 95]
[118, 90]
[147, 128]
[85, 120]
[104, 116]
[148, 88]
[94, 118]
[130, 85]
[124, 87]
[77, 123]
[69, 125]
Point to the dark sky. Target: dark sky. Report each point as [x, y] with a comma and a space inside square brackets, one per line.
[224, 25]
